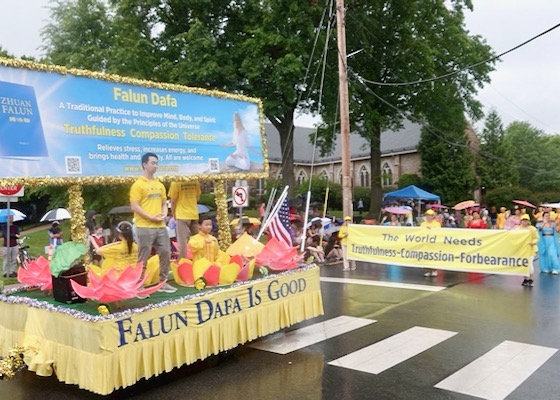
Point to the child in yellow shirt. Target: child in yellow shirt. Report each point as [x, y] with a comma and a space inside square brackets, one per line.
[203, 244]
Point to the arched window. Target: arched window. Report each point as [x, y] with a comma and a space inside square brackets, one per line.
[324, 175]
[301, 177]
[386, 175]
[364, 177]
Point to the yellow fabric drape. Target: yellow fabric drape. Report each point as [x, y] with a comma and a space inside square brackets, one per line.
[116, 352]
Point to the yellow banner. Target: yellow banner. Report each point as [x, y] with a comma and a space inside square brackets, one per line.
[104, 353]
[473, 250]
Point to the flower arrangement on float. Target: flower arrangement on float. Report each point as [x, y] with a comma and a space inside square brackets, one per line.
[111, 285]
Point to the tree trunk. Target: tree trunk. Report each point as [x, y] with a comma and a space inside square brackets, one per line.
[375, 165]
[285, 127]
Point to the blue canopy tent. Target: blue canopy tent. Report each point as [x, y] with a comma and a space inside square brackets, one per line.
[412, 192]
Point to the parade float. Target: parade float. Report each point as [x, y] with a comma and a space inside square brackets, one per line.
[73, 128]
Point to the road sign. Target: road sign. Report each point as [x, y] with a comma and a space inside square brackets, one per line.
[240, 196]
[16, 191]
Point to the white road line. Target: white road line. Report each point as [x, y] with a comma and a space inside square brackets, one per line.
[396, 285]
[284, 343]
[383, 355]
[497, 373]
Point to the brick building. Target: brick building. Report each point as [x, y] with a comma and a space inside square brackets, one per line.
[399, 155]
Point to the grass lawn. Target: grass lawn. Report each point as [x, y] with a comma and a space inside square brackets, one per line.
[38, 239]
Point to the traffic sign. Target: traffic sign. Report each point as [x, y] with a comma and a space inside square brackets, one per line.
[240, 196]
[16, 190]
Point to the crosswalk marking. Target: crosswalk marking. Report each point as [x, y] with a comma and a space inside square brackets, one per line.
[497, 373]
[383, 355]
[285, 343]
[398, 285]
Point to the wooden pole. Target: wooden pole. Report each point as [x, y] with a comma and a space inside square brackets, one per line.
[344, 109]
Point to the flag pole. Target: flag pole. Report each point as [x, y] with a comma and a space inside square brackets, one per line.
[324, 215]
[274, 211]
[304, 236]
[269, 204]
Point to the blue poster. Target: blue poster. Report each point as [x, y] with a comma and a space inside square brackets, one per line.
[62, 125]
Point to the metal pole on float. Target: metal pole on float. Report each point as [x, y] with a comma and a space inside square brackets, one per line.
[274, 211]
[305, 219]
[344, 109]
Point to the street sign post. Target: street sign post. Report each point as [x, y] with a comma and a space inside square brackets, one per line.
[240, 196]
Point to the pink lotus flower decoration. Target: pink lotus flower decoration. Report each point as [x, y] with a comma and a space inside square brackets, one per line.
[115, 285]
[37, 273]
[279, 256]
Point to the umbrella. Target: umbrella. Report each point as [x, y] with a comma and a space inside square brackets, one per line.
[120, 210]
[202, 208]
[56, 215]
[324, 221]
[18, 215]
[245, 220]
[465, 204]
[524, 203]
[396, 210]
[435, 206]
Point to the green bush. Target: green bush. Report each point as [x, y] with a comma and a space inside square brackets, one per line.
[409, 179]
[503, 197]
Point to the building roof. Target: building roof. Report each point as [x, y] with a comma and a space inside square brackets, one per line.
[404, 140]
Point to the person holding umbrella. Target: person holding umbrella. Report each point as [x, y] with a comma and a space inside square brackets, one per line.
[55, 234]
[10, 254]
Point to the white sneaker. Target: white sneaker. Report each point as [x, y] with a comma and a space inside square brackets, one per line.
[167, 288]
[346, 269]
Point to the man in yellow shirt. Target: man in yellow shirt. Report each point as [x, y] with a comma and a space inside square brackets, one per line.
[148, 201]
[430, 222]
[184, 198]
[343, 236]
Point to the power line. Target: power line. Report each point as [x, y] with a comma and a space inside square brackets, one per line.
[464, 68]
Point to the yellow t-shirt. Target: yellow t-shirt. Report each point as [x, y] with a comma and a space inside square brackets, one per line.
[343, 235]
[433, 224]
[534, 236]
[116, 255]
[185, 195]
[150, 195]
[201, 248]
[501, 220]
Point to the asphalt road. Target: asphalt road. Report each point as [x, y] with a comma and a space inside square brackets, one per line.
[413, 333]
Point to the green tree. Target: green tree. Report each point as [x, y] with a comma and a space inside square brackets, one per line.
[495, 162]
[398, 41]
[258, 48]
[78, 35]
[447, 157]
[536, 156]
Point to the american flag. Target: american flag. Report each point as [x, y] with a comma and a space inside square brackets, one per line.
[279, 226]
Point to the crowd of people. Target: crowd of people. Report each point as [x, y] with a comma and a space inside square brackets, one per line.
[155, 216]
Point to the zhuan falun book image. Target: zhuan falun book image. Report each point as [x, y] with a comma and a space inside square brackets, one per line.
[21, 132]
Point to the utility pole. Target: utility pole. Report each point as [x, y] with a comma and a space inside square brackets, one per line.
[344, 109]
